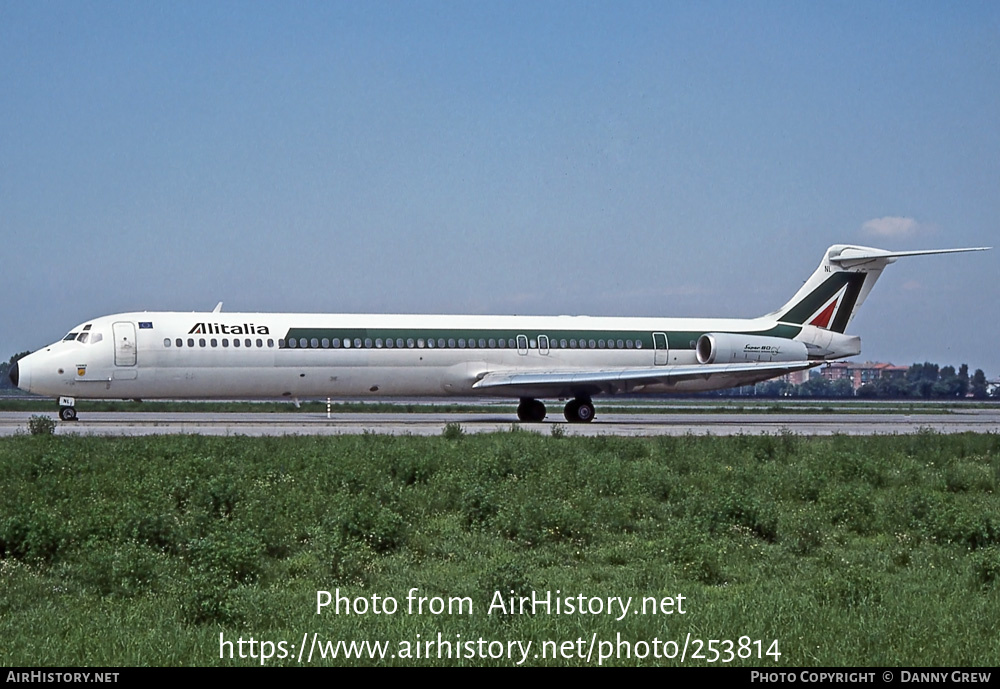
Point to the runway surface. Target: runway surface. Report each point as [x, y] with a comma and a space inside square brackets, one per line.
[960, 420]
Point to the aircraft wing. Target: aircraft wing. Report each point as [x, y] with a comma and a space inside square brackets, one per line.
[568, 383]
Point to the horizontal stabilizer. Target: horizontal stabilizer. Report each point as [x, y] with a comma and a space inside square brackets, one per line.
[851, 255]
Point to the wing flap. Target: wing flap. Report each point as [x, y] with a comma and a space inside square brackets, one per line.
[623, 380]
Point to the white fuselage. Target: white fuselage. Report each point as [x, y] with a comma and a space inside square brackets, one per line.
[236, 355]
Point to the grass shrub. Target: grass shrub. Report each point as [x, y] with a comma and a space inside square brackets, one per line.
[41, 425]
[842, 548]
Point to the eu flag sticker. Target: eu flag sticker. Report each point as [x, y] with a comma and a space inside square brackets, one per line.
[145, 325]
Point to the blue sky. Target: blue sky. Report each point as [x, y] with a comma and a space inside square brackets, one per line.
[619, 158]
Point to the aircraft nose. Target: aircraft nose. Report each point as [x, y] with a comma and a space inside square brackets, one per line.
[13, 374]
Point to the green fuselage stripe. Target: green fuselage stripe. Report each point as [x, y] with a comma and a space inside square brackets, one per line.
[471, 337]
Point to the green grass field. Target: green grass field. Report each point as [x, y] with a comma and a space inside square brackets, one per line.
[881, 551]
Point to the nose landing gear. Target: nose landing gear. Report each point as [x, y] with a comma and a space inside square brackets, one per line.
[67, 409]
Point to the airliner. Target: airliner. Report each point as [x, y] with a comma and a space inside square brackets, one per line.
[217, 355]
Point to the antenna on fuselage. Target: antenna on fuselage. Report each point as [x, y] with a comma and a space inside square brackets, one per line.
[218, 308]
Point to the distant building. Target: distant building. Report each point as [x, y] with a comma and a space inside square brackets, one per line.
[859, 374]
[796, 377]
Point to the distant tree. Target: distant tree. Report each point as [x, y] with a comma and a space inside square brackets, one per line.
[948, 385]
[867, 391]
[842, 388]
[774, 388]
[963, 378]
[891, 387]
[817, 386]
[922, 378]
[979, 384]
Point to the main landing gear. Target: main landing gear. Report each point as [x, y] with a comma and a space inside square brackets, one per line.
[579, 410]
[531, 410]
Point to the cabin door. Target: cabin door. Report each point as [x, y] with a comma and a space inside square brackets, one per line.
[124, 343]
[660, 350]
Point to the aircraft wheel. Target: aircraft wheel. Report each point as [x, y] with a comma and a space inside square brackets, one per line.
[579, 411]
[67, 413]
[531, 411]
[570, 410]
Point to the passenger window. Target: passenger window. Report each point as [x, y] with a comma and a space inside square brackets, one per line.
[236, 342]
[270, 343]
[179, 342]
[214, 342]
[260, 342]
[190, 342]
[357, 342]
[166, 341]
[314, 343]
[389, 343]
[368, 342]
[201, 342]
[326, 343]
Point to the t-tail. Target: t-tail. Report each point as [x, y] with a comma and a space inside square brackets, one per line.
[839, 286]
[825, 305]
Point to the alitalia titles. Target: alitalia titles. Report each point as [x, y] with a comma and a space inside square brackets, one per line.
[226, 329]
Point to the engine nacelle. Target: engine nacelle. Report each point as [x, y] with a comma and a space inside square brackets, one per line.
[730, 348]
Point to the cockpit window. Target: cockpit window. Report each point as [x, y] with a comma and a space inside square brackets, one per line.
[71, 336]
[83, 337]
[96, 337]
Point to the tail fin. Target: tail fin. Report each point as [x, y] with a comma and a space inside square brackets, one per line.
[839, 286]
